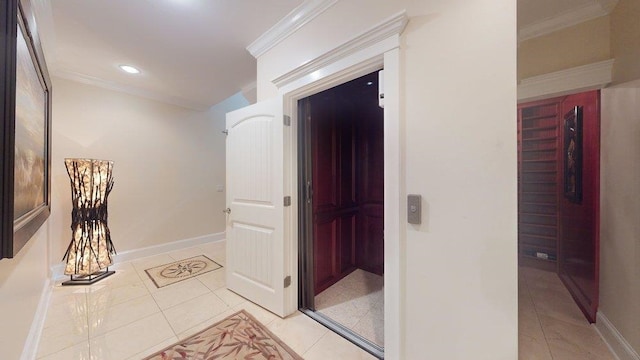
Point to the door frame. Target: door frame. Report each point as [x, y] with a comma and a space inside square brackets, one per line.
[383, 54]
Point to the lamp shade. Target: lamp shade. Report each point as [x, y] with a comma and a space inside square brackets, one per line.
[91, 248]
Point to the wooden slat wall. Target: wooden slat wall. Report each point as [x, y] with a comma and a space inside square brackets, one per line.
[539, 183]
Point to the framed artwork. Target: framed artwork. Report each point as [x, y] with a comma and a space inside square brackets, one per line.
[572, 146]
[26, 129]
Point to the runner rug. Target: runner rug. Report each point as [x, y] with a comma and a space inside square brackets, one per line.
[239, 336]
[184, 269]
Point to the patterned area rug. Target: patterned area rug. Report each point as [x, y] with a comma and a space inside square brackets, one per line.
[171, 273]
[239, 336]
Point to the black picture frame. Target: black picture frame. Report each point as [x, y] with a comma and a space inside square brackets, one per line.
[572, 155]
[16, 228]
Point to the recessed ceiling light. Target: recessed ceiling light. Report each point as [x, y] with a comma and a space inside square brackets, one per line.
[130, 69]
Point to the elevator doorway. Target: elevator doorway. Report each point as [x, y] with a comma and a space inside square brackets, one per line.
[341, 172]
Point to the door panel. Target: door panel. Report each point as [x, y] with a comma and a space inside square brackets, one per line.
[334, 247]
[324, 144]
[255, 190]
[348, 228]
[345, 129]
[334, 204]
[579, 221]
[253, 244]
[370, 250]
[325, 237]
[347, 161]
[370, 246]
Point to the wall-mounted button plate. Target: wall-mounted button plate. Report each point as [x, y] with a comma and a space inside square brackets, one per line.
[414, 209]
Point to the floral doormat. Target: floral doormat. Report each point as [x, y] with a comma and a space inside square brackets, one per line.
[239, 336]
[171, 273]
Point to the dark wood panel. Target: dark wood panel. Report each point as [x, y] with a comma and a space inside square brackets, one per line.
[334, 248]
[538, 183]
[544, 219]
[370, 255]
[324, 247]
[539, 198]
[372, 157]
[370, 249]
[573, 240]
[347, 241]
[348, 179]
[579, 244]
[333, 138]
[324, 139]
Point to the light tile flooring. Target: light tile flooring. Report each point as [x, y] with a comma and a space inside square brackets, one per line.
[356, 302]
[551, 326]
[126, 317]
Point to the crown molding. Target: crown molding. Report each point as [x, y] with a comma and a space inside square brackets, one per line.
[564, 82]
[110, 85]
[393, 25]
[567, 19]
[293, 21]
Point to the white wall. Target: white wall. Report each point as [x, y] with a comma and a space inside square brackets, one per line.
[620, 210]
[577, 45]
[460, 87]
[458, 105]
[22, 280]
[168, 161]
[625, 42]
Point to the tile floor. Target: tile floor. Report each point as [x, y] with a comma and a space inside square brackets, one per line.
[357, 302]
[551, 326]
[126, 317]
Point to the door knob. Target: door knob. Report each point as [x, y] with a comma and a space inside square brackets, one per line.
[227, 211]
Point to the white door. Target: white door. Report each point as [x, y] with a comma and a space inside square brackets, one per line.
[255, 201]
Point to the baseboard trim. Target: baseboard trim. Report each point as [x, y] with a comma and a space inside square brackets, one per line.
[30, 349]
[612, 337]
[57, 271]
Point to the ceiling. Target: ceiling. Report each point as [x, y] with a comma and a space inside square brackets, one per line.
[191, 53]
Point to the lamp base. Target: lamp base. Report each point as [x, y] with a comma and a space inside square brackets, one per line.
[89, 279]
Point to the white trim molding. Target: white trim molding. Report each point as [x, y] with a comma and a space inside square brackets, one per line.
[296, 19]
[110, 85]
[386, 29]
[57, 271]
[616, 342]
[567, 19]
[564, 82]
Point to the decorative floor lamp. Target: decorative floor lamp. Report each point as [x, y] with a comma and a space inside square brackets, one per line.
[89, 253]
